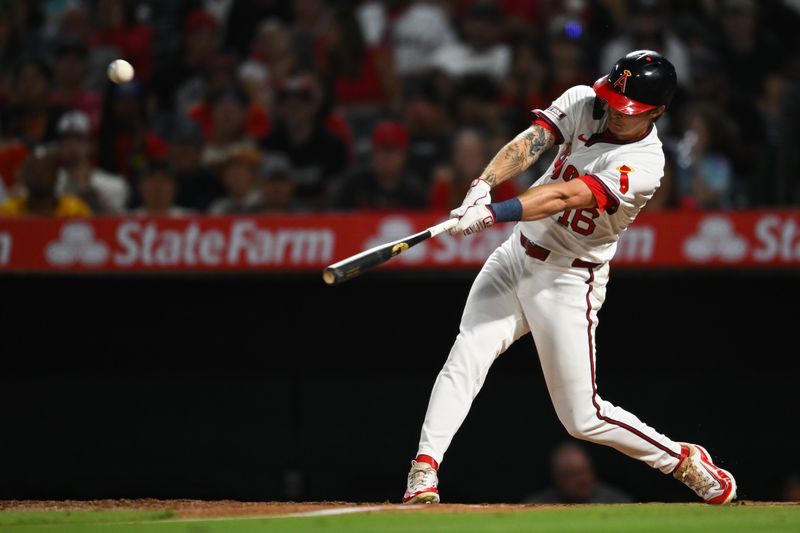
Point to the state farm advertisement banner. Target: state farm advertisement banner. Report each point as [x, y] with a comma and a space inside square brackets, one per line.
[311, 242]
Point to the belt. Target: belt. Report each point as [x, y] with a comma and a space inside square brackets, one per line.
[541, 253]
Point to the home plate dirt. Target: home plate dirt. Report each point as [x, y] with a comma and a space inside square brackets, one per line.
[230, 508]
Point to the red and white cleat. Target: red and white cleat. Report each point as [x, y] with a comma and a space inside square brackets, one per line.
[710, 482]
[422, 484]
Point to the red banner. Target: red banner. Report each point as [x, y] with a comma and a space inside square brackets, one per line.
[311, 242]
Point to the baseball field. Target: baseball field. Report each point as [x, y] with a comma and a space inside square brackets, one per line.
[145, 516]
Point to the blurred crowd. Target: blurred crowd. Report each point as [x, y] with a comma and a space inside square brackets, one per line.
[306, 105]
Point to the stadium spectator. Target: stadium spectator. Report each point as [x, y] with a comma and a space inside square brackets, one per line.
[705, 174]
[244, 19]
[31, 117]
[478, 103]
[469, 157]
[180, 82]
[359, 75]
[231, 129]
[311, 20]
[10, 49]
[157, 192]
[240, 179]
[413, 30]
[198, 186]
[385, 184]
[126, 142]
[272, 60]
[39, 174]
[428, 120]
[77, 175]
[70, 73]
[575, 481]
[317, 155]
[481, 52]
[277, 187]
[117, 28]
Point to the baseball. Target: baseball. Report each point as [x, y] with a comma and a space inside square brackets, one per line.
[120, 71]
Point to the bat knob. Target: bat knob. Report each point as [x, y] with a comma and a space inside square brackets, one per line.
[329, 277]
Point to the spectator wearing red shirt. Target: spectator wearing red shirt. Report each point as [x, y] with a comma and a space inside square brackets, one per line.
[360, 75]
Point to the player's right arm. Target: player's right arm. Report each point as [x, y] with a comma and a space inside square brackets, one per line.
[518, 154]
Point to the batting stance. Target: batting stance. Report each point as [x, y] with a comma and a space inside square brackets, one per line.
[550, 276]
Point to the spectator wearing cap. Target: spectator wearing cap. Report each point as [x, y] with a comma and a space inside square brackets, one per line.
[317, 155]
[77, 175]
[39, 174]
[482, 51]
[69, 89]
[198, 185]
[386, 183]
[157, 192]
[31, 117]
[240, 179]
[277, 187]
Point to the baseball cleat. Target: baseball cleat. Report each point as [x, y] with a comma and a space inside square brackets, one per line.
[422, 484]
[715, 485]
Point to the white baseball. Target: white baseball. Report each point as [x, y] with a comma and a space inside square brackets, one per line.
[120, 71]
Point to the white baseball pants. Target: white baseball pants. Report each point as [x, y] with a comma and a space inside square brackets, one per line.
[558, 303]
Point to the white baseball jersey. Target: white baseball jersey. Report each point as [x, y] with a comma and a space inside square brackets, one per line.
[622, 174]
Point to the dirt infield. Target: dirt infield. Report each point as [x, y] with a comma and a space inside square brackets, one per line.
[225, 508]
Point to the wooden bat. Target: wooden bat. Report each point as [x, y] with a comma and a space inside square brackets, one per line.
[356, 265]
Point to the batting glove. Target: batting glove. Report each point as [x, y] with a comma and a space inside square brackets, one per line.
[475, 219]
[479, 193]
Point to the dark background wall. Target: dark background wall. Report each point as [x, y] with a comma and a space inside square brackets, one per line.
[275, 388]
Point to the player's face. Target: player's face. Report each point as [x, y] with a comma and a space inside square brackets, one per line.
[626, 127]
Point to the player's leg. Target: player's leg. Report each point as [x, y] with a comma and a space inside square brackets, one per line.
[561, 306]
[491, 321]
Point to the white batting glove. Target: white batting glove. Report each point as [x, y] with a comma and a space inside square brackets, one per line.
[475, 219]
[479, 193]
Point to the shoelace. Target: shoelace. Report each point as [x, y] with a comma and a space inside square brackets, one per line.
[425, 477]
[699, 479]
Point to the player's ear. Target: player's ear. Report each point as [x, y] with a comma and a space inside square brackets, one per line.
[656, 113]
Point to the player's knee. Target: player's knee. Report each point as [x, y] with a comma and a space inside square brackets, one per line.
[580, 427]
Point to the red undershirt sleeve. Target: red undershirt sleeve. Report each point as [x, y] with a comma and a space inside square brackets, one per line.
[606, 200]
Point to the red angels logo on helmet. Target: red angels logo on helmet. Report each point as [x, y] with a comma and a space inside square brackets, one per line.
[622, 81]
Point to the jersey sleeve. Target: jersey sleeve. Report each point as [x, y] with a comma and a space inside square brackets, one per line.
[564, 114]
[627, 180]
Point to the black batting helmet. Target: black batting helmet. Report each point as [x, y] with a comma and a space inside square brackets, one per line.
[639, 82]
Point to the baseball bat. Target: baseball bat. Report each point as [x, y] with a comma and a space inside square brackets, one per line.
[356, 265]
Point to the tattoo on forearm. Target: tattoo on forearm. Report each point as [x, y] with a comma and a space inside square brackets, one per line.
[519, 154]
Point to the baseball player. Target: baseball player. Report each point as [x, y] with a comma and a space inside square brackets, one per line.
[550, 276]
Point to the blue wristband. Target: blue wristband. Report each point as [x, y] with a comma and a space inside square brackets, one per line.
[508, 211]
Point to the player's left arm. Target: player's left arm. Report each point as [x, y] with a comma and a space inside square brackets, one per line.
[548, 200]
